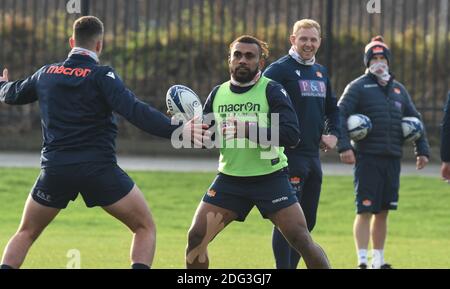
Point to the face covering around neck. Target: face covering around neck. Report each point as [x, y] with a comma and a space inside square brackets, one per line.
[83, 51]
[381, 71]
[299, 59]
[252, 82]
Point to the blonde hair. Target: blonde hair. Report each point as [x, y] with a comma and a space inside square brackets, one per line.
[306, 23]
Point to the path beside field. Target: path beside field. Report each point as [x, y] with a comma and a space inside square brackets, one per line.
[18, 159]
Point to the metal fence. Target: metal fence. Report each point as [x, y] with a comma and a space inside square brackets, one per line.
[154, 44]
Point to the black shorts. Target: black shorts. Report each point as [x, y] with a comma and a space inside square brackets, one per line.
[100, 184]
[269, 193]
[377, 182]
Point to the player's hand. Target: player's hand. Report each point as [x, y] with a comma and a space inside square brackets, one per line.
[348, 157]
[232, 126]
[421, 162]
[229, 129]
[328, 142]
[445, 171]
[197, 130]
[4, 77]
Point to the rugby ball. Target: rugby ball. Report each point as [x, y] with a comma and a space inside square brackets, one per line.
[412, 128]
[358, 126]
[183, 103]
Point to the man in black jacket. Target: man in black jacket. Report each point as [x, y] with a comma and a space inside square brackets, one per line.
[77, 99]
[377, 162]
[445, 142]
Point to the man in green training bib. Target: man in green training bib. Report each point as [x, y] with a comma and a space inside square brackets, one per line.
[254, 120]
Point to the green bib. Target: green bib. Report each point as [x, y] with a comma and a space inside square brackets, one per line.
[241, 157]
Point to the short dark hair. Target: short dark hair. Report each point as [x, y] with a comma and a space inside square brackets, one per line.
[263, 47]
[86, 30]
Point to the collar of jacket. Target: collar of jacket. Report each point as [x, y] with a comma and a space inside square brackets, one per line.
[387, 86]
[80, 57]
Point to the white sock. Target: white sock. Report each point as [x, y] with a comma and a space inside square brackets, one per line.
[362, 256]
[377, 258]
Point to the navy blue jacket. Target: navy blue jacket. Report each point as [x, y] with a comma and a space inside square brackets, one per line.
[289, 134]
[385, 106]
[445, 140]
[309, 88]
[77, 98]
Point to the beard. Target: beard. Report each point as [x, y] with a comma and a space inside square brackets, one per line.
[243, 74]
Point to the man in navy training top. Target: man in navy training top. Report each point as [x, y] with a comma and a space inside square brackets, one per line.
[309, 87]
[77, 99]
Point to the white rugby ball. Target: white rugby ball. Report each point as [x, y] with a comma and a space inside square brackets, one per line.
[412, 128]
[183, 103]
[358, 126]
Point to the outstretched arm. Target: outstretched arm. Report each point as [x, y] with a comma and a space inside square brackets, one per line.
[17, 92]
[124, 102]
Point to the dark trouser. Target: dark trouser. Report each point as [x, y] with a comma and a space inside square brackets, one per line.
[306, 178]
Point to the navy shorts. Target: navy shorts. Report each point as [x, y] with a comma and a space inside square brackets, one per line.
[377, 181]
[100, 184]
[269, 193]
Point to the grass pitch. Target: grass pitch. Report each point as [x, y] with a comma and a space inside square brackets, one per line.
[418, 233]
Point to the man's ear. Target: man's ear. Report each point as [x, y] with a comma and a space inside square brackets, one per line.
[262, 62]
[292, 39]
[99, 46]
[72, 42]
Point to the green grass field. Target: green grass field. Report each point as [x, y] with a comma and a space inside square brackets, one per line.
[419, 232]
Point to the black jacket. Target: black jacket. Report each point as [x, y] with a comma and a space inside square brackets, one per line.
[385, 106]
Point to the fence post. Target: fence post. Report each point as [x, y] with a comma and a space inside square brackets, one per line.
[329, 36]
[85, 7]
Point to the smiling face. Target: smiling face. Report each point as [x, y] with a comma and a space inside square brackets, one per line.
[245, 61]
[306, 41]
